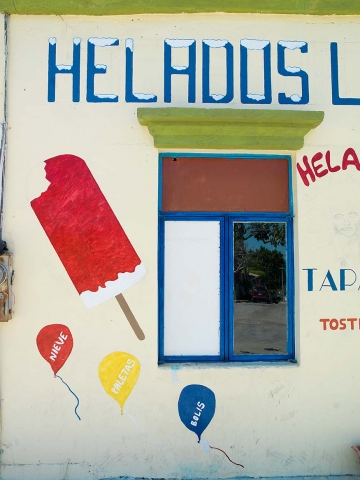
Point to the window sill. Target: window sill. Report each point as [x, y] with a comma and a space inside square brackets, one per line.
[229, 365]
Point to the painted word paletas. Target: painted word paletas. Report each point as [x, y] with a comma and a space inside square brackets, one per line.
[123, 376]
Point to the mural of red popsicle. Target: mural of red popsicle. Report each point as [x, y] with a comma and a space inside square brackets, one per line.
[86, 235]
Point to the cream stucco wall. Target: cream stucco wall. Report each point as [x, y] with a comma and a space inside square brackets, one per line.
[276, 419]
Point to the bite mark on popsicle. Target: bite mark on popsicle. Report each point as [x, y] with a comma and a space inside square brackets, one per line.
[36, 182]
[85, 233]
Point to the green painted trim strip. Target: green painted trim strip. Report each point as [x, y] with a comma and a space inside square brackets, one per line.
[225, 128]
[130, 7]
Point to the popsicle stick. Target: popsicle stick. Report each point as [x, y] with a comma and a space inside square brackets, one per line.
[130, 316]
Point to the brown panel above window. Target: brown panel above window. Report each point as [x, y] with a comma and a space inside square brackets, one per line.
[200, 184]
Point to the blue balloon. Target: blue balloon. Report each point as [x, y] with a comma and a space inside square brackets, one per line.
[196, 408]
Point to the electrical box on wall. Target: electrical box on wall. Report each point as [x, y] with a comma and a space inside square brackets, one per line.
[6, 279]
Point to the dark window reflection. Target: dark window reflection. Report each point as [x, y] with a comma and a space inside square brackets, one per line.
[260, 304]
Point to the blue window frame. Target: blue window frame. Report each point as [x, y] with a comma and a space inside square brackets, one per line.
[226, 221]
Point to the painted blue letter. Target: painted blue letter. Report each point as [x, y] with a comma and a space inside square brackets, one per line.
[310, 278]
[129, 95]
[336, 100]
[73, 69]
[343, 283]
[170, 70]
[331, 283]
[246, 97]
[208, 97]
[93, 69]
[293, 72]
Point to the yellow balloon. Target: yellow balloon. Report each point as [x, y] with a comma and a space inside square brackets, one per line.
[118, 373]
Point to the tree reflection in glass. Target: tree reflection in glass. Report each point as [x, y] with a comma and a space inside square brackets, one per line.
[260, 307]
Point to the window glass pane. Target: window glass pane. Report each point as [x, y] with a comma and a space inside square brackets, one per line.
[260, 302]
[192, 288]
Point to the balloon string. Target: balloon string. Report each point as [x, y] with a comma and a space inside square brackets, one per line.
[238, 464]
[77, 398]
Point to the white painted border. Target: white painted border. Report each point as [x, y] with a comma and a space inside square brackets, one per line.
[113, 288]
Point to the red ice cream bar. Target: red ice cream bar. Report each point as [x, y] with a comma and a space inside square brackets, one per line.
[85, 233]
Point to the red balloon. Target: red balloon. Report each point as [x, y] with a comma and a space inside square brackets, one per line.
[55, 343]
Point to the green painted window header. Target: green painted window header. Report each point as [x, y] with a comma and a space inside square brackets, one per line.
[130, 7]
[225, 128]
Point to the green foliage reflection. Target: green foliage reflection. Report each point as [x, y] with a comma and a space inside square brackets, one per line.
[259, 258]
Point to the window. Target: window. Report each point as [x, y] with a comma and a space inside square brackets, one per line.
[226, 281]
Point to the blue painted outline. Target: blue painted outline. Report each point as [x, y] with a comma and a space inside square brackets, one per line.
[256, 216]
[222, 288]
[290, 187]
[230, 156]
[161, 296]
[289, 293]
[160, 189]
[290, 287]
[226, 253]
